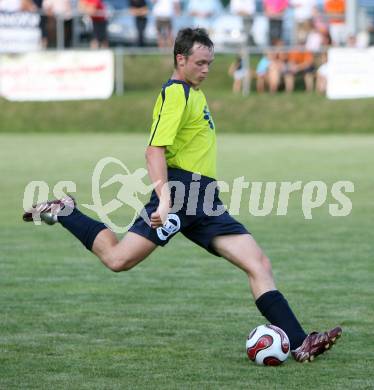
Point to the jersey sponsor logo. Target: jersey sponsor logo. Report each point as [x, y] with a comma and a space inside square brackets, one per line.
[208, 117]
[171, 226]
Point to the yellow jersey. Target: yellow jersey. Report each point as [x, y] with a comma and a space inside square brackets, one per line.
[182, 123]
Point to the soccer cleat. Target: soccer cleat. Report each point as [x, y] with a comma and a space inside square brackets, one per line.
[315, 344]
[48, 211]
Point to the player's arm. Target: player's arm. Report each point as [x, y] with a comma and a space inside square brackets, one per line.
[166, 122]
[157, 171]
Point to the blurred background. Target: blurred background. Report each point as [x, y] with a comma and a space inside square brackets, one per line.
[270, 45]
[259, 23]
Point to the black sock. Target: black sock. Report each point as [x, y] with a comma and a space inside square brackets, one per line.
[84, 228]
[274, 307]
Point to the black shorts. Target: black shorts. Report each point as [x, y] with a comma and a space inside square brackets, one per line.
[190, 217]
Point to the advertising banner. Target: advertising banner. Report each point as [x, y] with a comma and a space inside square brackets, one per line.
[19, 32]
[57, 75]
[350, 73]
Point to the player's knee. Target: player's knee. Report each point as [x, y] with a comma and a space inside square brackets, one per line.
[259, 266]
[120, 266]
[117, 265]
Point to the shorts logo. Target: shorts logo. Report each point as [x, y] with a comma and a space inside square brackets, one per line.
[171, 226]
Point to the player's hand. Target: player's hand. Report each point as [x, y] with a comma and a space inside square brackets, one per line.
[159, 217]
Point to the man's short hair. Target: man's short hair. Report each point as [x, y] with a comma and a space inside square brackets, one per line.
[186, 38]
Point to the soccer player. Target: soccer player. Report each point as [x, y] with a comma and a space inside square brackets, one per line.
[182, 149]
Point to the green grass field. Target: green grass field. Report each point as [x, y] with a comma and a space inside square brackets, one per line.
[180, 319]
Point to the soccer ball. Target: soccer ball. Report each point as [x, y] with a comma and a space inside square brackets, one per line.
[268, 345]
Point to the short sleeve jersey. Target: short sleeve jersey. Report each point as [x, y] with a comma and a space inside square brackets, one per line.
[183, 124]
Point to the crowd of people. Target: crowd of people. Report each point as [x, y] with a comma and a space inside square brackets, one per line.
[314, 22]
[279, 68]
[316, 25]
[305, 58]
[54, 11]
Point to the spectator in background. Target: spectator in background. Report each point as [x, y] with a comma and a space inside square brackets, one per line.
[314, 39]
[335, 10]
[271, 68]
[202, 11]
[43, 23]
[95, 9]
[303, 15]
[299, 62]
[238, 73]
[164, 11]
[17, 6]
[277, 66]
[262, 73]
[61, 9]
[139, 10]
[245, 9]
[274, 10]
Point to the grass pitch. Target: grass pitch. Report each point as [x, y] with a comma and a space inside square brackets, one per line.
[180, 319]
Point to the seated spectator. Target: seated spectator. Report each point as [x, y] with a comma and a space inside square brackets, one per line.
[303, 15]
[95, 9]
[239, 73]
[202, 11]
[299, 62]
[321, 25]
[164, 11]
[139, 10]
[335, 10]
[262, 70]
[314, 39]
[274, 10]
[277, 65]
[245, 9]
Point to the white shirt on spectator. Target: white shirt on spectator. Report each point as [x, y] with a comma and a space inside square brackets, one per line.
[10, 5]
[204, 7]
[314, 41]
[303, 9]
[62, 8]
[165, 8]
[203, 12]
[242, 7]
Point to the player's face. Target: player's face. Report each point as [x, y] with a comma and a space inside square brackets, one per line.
[195, 67]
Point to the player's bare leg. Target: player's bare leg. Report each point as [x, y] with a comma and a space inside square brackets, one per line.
[243, 251]
[117, 256]
[122, 255]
